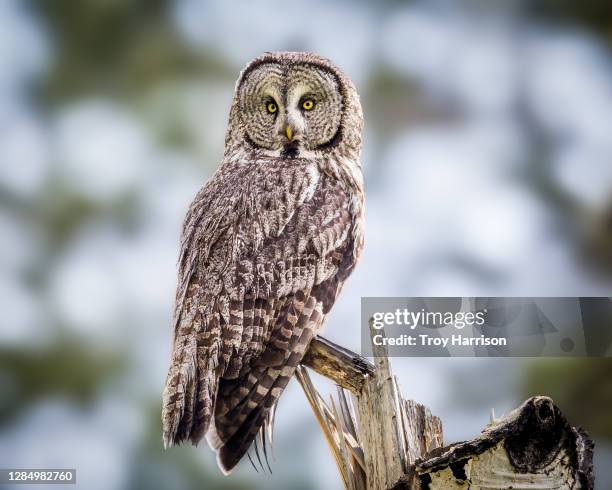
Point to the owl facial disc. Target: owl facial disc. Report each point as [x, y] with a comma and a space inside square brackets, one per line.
[290, 108]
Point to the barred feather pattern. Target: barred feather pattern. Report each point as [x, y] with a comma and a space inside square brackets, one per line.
[267, 244]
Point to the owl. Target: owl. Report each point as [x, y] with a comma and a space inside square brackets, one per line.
[267, 245]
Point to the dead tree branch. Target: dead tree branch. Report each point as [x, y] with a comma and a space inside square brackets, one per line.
[347, 369]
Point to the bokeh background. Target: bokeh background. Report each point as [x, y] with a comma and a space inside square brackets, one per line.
[488, 165]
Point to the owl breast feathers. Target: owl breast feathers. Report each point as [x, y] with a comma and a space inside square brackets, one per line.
[266, 247]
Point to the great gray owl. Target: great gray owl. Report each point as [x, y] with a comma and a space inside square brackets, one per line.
[266, 246]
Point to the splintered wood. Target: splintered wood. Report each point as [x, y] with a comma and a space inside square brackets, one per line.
[394, 432]
[392, 443]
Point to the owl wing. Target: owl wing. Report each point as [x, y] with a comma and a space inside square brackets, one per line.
[266, 248]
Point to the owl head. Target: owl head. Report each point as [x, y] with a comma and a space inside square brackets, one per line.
[294, 104]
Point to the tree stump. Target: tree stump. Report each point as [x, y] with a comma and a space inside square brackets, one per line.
[392, 443]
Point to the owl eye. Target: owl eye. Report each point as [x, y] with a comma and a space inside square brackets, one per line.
[272, 107]
[308, 104]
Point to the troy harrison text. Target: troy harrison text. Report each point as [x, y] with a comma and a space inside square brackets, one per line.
[427, 340]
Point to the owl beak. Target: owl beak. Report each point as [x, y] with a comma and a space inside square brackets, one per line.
[289, 132]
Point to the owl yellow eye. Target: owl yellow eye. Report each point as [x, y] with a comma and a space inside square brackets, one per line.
[308, 104]
[272, 108]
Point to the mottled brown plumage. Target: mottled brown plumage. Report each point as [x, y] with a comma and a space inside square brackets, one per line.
[266, 247]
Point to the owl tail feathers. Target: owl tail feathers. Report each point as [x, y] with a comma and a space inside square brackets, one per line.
[188, 402]
[244, 415]
[254, 432]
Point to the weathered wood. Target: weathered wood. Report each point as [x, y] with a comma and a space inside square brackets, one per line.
[423, 430]
[344, 449]
[349, 421]
[338, 427]
[397, 444]
[379, 409]
[423, 433]
[346, 368]
[533, 447]
[320, 410]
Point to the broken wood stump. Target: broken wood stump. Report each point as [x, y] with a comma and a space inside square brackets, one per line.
[391, 443]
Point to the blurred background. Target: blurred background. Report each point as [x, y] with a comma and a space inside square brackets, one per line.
[488, 166]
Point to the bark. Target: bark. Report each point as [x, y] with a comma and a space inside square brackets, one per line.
[533, 447]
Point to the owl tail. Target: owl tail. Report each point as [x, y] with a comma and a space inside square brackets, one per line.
[251, 421]
[245, 406]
